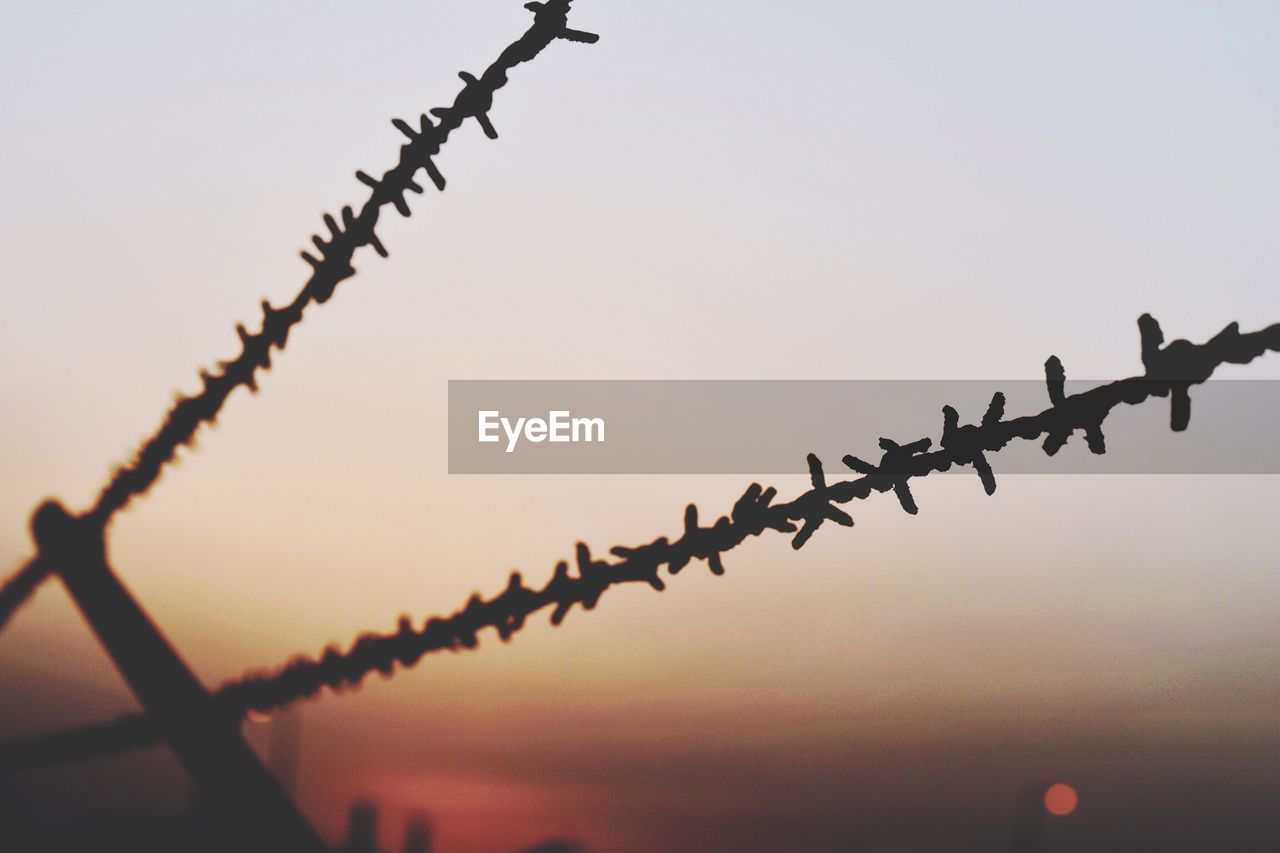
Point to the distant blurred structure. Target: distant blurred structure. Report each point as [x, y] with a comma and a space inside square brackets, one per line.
[362, 828]
[417, 834]
[362, 831]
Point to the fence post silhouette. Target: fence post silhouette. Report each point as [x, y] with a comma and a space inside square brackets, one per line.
[247, 805]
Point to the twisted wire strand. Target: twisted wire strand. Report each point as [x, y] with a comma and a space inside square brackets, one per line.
[354, 231]
[331, 264]
[1169, 371]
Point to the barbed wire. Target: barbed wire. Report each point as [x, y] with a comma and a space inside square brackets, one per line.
[331, 264]
[1169, 371]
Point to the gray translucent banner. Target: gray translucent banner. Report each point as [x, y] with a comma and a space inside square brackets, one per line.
[769, 426]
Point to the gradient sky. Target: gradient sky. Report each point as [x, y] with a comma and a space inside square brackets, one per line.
[715, 190]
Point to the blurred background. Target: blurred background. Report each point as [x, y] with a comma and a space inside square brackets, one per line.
[715, 190]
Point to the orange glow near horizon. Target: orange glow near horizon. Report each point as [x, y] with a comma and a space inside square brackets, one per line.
[1061, 800]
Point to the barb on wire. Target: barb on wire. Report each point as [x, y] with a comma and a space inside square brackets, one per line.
[331, 264]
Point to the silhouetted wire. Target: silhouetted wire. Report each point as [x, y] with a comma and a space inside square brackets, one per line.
[347, 233]
[97, 740]
[1169, 371]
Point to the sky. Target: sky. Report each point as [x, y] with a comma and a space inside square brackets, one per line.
[830, 190]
